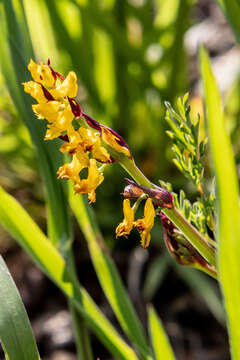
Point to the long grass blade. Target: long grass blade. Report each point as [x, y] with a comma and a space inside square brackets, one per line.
[15, 329]
[23, 229]
[228, 224]
[161, 346]
[16, 50]
[231, 9]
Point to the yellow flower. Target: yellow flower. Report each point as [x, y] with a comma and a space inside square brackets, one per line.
[145, 225]
[41, 74]
[125, 227]
[92, 142]
[66, 88]
[49, 110]
[89, 185]
[72, 170]
[58, 114]
[113, 141]
[35, 90]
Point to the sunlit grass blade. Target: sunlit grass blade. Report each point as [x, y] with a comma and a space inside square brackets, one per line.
[231, 9]
[23, 229]
[228, 224]
[16, 51]
[108, 275]
[161, 346]
[15, 330]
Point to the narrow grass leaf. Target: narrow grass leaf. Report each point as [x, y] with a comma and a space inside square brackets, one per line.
[15, 330]
[16, 51]
[23, 229]
[108, 275]
[231, 9]
[161, 346]
[228, 213]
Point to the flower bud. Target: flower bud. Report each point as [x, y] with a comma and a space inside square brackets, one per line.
[159, 196]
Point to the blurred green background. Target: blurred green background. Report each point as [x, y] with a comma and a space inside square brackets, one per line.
[130, 57]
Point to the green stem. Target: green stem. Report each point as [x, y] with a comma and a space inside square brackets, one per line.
[191, 233]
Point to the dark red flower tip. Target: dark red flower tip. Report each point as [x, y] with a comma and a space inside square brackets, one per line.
[92, 122]
[76, 109]
[55, 74]
[47, 94]
[64, 137]
[160, 196]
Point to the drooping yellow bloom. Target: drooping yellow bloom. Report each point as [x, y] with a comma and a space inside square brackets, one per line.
[41, 74]
[66, 88]
[89, 185]
[125, 227]
[92, 142]
[114, 142]
[35, 90]
[72, 170]
[145, 225]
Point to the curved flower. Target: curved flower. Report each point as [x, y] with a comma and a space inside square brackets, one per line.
[145, 225]
[72, 170]
[115, 141]
[125, 227]
[89, 185]
[66, 88]
[35, 90]
[42, 74]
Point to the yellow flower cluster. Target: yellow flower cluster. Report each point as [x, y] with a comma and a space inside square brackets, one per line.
[55, 96]
[144, 225]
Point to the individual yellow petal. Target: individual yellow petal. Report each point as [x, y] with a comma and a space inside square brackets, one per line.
[48, 110]
[111, 140]
[145, 225]
[125, 227]
[145, 239]
[82, 157]
[100, 153]
[52, 132]
[67, 88]
[35, 90]
[149, 214]
[64, 118]
[89, 185]
[41, 73]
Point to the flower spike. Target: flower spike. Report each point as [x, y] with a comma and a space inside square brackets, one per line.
[55, 95]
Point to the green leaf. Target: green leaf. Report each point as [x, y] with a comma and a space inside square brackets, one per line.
[15, 329]
[231, 9]
[161, 346]
[16, 51]
[23, 229]
[108, 275]
[228, 213]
